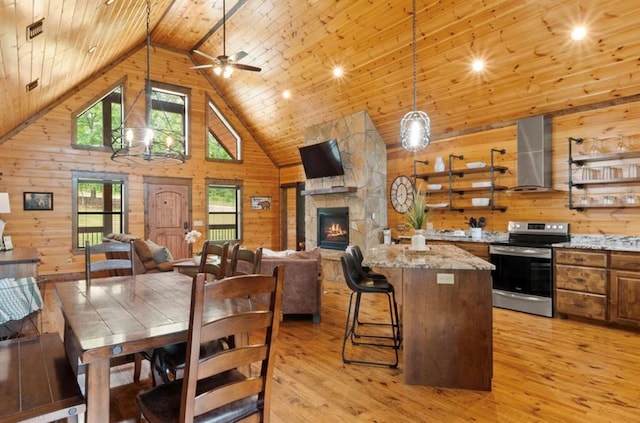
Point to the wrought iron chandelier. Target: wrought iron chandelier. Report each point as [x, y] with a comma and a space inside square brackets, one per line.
[415, 127]
[147, 145]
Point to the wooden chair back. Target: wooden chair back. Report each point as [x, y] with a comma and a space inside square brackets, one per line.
[244, 261]
[215, 259]
[250, 393]
[111, 258]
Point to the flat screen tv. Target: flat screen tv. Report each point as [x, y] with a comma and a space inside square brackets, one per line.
[322, 159]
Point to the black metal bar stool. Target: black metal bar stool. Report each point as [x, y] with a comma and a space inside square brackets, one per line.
[360, 284]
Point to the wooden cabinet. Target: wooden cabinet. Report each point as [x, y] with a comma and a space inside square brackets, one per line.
[19, 263]
[624, 289]
[580, 279]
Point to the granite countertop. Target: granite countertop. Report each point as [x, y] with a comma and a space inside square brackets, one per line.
[602, 242]
[442, 257]
[462, 236]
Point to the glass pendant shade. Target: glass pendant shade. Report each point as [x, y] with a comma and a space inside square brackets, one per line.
[415, 129]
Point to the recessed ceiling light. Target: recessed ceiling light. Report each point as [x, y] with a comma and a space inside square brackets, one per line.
[579, 33]
[92, 49]
[109, 2]
[286, 94]
[337, 72]
[477, 65]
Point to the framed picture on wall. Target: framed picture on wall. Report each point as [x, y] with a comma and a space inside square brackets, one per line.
[261, 203]
[38, 201]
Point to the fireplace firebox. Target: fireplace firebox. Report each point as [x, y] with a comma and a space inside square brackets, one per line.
[333, 228]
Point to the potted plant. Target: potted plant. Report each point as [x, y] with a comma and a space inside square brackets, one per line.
[417, 217]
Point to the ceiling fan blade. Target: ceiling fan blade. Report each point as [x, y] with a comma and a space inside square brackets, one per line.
[202, 66]
[245, 67]
[238, 56]
[213, 59]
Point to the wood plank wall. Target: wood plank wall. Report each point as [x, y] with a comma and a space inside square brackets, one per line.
[603, 122]
[40, 158]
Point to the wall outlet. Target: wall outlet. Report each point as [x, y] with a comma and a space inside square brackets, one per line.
[444, 278]
[197, 223]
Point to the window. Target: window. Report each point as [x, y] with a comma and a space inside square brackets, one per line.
[224, 206]
[169, 110]
[223, 142]
[93, 126]
[99, 206]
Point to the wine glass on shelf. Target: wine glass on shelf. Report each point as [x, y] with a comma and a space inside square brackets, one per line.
[595, 146]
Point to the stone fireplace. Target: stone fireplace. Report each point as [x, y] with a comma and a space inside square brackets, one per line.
[361, 190]
[333, 228]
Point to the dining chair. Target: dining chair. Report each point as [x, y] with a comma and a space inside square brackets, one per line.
[167, 362]
[244, 261]
[215, 259]
[118, 257]
[384, 334]
[233, 384]
[113, 256]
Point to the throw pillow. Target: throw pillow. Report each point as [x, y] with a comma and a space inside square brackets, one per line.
[162, 255]
[144, 253]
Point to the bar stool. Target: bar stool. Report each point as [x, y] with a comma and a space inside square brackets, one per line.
[360, 285]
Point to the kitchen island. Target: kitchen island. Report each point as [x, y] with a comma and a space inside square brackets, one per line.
[446, 295]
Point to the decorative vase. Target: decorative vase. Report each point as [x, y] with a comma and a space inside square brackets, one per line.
[439, 164]
[197, 258]
[418, 241]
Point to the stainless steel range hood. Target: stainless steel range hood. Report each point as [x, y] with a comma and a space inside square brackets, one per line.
[534, 155]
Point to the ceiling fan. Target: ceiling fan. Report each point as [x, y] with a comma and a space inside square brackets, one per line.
[223, 64]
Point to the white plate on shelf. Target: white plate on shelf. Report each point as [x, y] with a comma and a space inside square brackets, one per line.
[481, 184]
[480, 202]
[476, 165]
[438, 205]
[434, 187]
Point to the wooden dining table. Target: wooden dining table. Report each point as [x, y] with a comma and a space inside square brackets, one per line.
[122, 315]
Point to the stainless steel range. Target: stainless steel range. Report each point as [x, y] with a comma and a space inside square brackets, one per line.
[523, 278]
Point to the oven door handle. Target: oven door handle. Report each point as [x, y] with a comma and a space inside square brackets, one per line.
[520, 296]
[521, 251]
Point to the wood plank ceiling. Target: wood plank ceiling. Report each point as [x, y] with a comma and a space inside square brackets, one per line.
[532, 65]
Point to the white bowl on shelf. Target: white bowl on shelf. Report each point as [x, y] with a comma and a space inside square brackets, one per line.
[476, 165]
[480, 202]
[481, 184]
[434, 187]
[437, 205]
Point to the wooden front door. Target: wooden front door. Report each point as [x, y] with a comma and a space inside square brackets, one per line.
[169, 217]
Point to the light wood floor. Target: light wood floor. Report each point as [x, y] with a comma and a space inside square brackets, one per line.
[545, 370]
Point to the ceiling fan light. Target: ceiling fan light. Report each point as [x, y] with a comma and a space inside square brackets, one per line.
[217, 70]
[228, 71]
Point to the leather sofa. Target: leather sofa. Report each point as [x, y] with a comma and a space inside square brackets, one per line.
[148, 256]
[302, 289]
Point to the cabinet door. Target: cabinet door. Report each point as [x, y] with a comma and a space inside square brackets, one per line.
[624, 298]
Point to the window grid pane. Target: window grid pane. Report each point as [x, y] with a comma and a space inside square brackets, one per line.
[223, 216]
[99, 211]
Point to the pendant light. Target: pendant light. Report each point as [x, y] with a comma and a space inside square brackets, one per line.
[147, 145]
[415, 127]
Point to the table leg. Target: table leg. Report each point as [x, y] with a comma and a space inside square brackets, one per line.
[97, 391]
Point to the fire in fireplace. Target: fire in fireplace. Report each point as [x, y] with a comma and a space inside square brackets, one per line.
[333, 228]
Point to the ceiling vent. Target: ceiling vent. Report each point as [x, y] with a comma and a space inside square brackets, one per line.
[534, 154]
[35, 29]
[32, 85]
